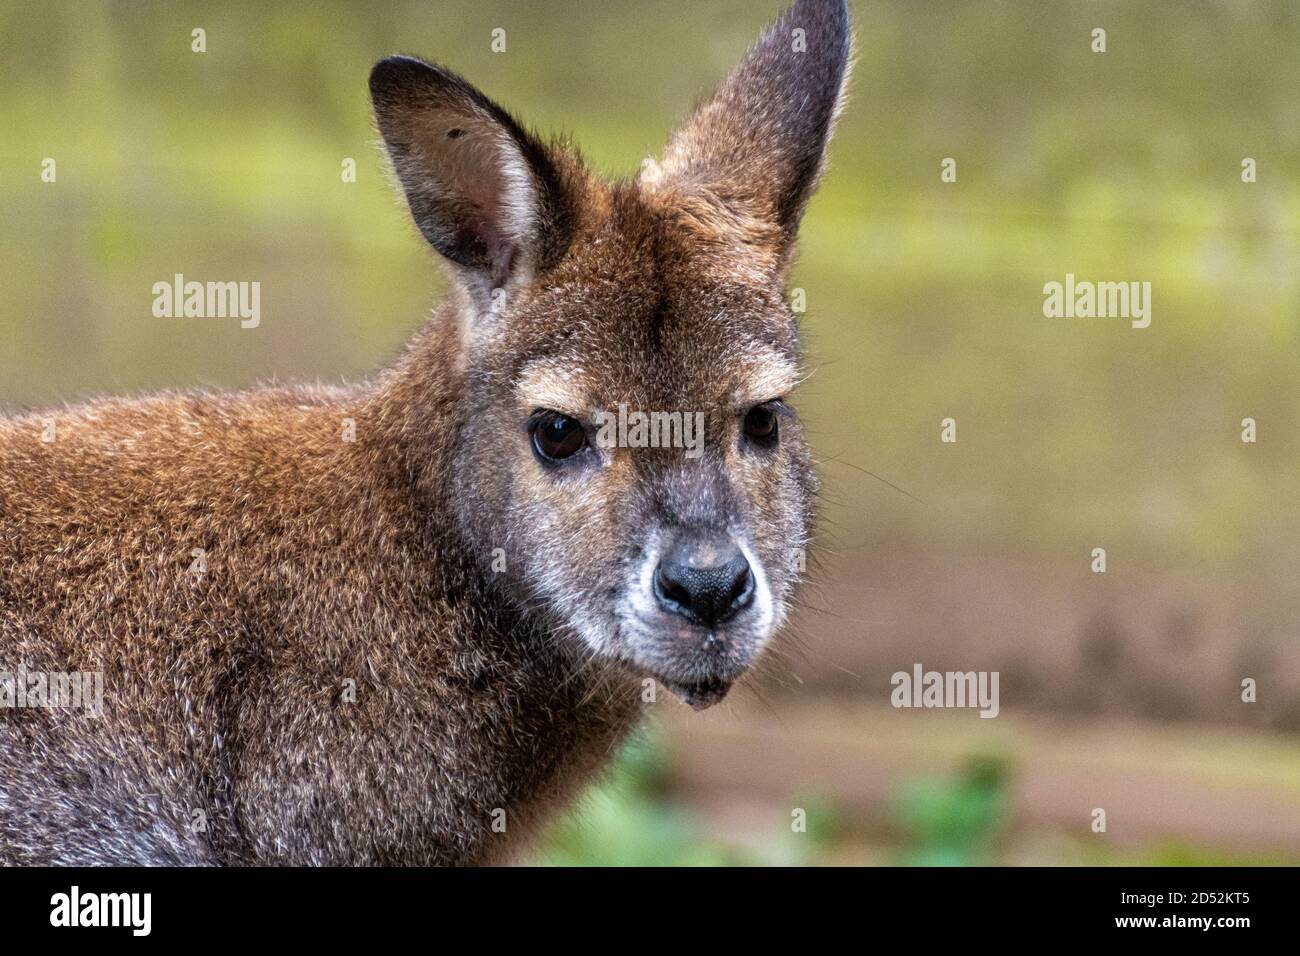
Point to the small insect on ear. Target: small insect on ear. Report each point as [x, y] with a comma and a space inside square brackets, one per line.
[759, 144]
[485, 193]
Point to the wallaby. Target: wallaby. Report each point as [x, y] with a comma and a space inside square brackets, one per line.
[404, 622]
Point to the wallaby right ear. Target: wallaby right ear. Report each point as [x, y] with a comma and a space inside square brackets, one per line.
[485, 193]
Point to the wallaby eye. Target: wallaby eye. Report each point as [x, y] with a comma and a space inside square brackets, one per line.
[761, 424]
[555, 436]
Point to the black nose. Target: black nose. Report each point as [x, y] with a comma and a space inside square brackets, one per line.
[705, 580]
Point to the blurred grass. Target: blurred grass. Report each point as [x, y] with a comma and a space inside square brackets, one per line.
[627, 822]
[954, 822]
[632, 819]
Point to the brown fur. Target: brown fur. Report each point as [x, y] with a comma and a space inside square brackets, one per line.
[477, 689]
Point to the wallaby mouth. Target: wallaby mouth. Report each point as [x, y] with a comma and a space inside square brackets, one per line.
[700, 695]
[696, 615]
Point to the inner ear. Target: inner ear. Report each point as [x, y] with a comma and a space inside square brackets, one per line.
[469, 189]
[483, 191]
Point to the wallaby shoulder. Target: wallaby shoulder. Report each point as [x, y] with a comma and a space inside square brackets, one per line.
[293, 643]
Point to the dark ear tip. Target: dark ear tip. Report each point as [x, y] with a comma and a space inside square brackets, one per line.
[395, 73]
[828, 20]
[826, 17]
[830, 15]
[836, 9]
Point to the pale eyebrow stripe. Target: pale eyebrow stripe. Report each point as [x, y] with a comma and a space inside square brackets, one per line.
[765, 377]
[549, 384]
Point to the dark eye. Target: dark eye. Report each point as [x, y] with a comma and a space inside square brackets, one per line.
[760, 425]
[556, 436]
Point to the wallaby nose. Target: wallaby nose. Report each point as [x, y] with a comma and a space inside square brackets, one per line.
[705, 580]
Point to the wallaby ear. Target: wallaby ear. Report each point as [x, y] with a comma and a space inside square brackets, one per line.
[759, 144]
[485, 193]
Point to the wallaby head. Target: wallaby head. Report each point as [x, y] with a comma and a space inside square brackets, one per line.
[626, 462]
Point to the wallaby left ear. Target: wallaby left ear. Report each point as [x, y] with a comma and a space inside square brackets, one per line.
[483, 191]
[759, 144]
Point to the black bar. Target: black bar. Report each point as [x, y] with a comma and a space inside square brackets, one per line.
[330, 907]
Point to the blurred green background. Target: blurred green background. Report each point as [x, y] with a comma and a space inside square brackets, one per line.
[924, 302]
